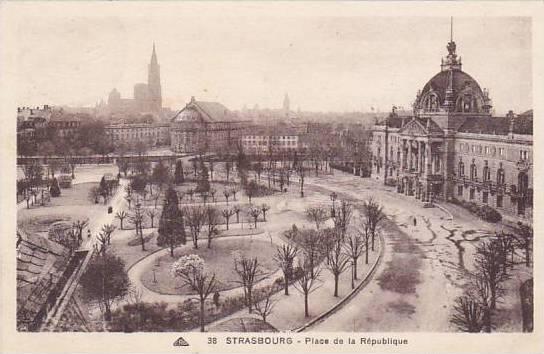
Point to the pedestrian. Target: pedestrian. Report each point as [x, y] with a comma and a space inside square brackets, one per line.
[88, 233]
[415, 221]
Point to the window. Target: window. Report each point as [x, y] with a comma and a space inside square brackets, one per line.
[473, 172]
[500, 175]
[461, 169]
[501, 152]
[499, 201]
[460, 191]
[486, 173]
[471, 196]
[485, 196]
[487, 150]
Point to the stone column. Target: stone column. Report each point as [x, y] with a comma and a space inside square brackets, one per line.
[409, 155]
[402, 155]
[421, 156]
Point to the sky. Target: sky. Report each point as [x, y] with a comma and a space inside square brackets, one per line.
[324, 62]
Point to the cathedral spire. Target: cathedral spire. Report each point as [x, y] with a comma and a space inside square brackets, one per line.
[154, 55]
[154, 82]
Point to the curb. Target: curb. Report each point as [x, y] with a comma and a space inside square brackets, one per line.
[348, 297]
[445, 210]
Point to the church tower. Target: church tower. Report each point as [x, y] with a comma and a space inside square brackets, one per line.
[154, 83]
[286, 104]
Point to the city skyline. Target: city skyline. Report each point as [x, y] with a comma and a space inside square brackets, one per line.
[394, 56]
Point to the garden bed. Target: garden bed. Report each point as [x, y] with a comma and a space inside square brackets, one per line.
[219, 260]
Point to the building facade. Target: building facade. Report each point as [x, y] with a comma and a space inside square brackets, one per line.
[453, 148]
[155, 134]
[273, 139]
[205, 127]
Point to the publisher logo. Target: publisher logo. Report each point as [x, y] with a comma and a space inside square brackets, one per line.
[180, 342]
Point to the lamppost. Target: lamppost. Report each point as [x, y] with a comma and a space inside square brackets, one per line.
[333, 196]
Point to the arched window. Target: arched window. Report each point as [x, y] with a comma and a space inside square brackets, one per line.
[473, 171]
[486, 172]
[461, 169]
[500, 175]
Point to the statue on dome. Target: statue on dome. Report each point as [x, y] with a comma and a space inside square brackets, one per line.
[451, 48]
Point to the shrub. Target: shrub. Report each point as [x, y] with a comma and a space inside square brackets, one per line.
[489, 214]
[485, 212]
[392, 182]
[55, 189]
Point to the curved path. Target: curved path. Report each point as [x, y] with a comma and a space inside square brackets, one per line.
[423, 267]
[136, 271]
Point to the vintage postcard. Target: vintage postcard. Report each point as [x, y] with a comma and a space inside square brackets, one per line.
[271, 177]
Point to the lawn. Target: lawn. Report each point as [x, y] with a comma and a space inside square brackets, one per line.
[218, 259]
[73, 204]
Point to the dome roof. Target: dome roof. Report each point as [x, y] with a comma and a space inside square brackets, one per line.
[452, 90]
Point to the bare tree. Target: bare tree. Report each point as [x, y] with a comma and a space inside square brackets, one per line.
[80, 225]
[107, 230]
[318, 215]
[237, 211]
[307, 281]
[353, 248]
[227, 213]
[342, 217]
[374, 214]
[301, 175]
[264, 208]
[285, 258]
[488, 264]
[212, 193]
[312, 245]
[195, 217]
[254, 213]
[265, 307]
[151, 213]
[249, 271]
[468, 314]
[212, 220]
[137, 219]
[121, 215]
[526, 234]
[226, 193]
[233, 192]
[128, 198]
[365, 236]
[191, 270]
[336, 260]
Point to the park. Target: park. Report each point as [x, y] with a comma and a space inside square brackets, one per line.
[197, 243]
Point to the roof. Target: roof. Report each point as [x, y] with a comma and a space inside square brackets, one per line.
[61, 116]
[276, 130]
[40, 265]
[523, 125]
[463, 85]
[205, 111]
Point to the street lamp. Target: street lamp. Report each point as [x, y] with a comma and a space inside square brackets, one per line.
[333, 196]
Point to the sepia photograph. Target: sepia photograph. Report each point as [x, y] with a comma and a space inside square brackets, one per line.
[193, 169]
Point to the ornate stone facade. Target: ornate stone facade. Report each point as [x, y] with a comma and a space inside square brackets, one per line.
[451, 147]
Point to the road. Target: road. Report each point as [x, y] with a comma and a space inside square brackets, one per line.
[423, 267]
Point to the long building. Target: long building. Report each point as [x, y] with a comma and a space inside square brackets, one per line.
[153, 134]
[453, 148]
[205, 126]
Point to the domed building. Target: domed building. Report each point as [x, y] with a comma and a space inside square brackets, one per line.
[452, 148]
